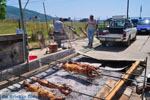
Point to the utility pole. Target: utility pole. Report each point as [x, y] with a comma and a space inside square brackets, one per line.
[45, 16]
[25, 50]
[141, 11]
[127, 9]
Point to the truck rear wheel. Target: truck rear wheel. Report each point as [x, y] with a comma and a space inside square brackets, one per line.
[128, 42]
[134, 38]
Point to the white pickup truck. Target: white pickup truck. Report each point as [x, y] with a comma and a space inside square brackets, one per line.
[119, 30]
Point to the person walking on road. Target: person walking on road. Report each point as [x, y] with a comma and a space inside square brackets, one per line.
[92, 26]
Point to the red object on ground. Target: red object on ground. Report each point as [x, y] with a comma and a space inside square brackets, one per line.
[32, 57]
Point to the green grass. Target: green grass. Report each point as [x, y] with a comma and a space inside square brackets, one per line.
[10, 26]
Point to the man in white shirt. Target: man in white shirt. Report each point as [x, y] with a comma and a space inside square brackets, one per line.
[58, 31]
[59, 26]
[92, 26]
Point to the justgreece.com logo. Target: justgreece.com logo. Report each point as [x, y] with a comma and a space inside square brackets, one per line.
[19, 96]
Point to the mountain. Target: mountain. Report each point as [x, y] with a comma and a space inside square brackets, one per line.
[14, 13]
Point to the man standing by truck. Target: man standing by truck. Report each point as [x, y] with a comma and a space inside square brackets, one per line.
[92, 26]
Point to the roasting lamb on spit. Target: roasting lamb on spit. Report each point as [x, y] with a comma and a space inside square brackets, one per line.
[41, 92]
[63, 88]
[85, 69]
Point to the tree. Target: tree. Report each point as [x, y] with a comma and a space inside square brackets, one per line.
[2, 9]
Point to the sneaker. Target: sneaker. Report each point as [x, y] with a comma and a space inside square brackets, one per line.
[91, 45]
[88, 44]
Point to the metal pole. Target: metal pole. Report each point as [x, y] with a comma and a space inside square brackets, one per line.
[45, 17]
[73, 37]
[141, 11]
[121, 78]
[25, 50]
[127, 9]
[25, 6]
[143, 91]
[124, 73]
[19, 24]
[140, 14]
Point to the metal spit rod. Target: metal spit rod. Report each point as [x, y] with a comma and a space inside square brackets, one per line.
[75, 91]
[88, 95]
[108, 75]
[121, 78]
[78, 92]
[124, 73]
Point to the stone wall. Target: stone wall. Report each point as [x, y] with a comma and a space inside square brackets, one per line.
[11, 50]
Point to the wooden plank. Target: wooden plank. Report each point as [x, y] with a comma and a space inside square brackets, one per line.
[135, 96]
[10, 37]
[8, 34]
[124, 97]
[120, 83]
[111, 83]
[105, 90]
[3, 82]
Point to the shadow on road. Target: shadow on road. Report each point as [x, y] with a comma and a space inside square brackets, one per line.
[115, 47]
[85, 47]
[143, 34]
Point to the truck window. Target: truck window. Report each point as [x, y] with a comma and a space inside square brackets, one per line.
[118, 23]
[144, 22]
[128, 24]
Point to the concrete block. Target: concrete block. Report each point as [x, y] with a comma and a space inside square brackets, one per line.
[11, 53]
[22, 68]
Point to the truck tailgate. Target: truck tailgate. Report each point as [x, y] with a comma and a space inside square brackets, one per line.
[111, 36]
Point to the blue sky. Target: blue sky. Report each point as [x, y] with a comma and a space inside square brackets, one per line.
[83, 8]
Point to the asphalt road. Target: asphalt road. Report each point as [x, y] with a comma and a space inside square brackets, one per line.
[138, 50]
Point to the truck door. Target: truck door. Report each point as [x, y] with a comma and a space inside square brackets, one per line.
[130, 29]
